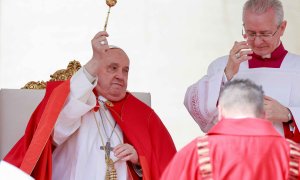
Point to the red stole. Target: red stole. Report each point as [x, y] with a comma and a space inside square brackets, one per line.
[275, 61]
[33, 152]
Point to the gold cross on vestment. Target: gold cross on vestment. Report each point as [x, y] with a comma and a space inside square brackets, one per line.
[107, 148]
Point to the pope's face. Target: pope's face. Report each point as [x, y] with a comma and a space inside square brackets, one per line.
[261, 24]
[113, 75]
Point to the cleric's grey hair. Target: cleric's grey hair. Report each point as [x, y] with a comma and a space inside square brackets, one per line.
[242, 95]
[261, 6]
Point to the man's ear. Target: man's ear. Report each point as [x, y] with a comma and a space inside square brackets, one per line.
[282, 27]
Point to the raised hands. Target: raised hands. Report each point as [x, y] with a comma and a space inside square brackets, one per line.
[238, 54]
[99, 46]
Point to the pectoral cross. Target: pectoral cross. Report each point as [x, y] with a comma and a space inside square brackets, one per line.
[107, 148]
[111, 173]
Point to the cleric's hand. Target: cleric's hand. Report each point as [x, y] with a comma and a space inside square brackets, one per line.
[275, 111]
[236, 57]
[126, 152]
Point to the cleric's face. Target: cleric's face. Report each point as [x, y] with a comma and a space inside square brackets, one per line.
[113, 75]
[263, 31]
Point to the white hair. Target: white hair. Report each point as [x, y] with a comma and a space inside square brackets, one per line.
[113, 47]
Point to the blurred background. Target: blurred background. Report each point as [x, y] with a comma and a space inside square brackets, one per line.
[170, 44]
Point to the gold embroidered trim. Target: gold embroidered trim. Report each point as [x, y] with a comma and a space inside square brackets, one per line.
[59, 75]
[108, 103]
[294, 160]
[204, 158]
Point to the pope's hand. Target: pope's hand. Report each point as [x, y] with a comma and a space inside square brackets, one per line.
[100, 46]
[275, 111]
[126, 152]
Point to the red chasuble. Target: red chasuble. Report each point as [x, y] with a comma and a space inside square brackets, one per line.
[237, 149]
[275, 61]
[141, 127]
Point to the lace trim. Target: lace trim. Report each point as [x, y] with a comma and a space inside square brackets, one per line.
[195, 107]
[205, 167]
[294, 160]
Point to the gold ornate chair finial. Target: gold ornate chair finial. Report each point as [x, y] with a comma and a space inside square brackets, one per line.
[59, 75]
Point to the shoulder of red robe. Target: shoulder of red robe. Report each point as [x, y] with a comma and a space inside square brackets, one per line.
[29, 153]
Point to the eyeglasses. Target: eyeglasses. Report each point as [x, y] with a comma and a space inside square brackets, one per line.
[264, 36]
